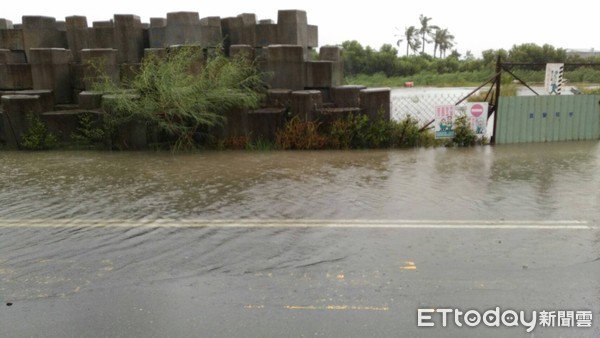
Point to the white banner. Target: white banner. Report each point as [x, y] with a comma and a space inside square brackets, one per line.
[554, 78]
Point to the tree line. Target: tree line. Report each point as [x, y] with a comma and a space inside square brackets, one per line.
[366, 60]
[359, 60]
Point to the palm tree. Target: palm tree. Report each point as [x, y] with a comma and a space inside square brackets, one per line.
[446, 42]
[425, 30]
[443, 40]
[412, 39]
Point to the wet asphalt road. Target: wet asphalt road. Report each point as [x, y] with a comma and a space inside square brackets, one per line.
[320, 281]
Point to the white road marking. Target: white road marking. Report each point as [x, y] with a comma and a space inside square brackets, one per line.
[302, 223]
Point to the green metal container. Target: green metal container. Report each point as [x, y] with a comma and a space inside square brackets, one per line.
[524, 119]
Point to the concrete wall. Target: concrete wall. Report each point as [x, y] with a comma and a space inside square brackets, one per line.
[61, 59]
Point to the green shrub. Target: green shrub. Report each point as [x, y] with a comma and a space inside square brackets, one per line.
[88, 134]
[37, 136]
[184, 94]
[464, 136]
[408, 133]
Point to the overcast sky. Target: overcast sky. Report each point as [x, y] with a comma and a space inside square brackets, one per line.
[476, 25]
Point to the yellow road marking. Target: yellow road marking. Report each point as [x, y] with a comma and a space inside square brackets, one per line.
[409, 265]
[337, 307]
[323, 307]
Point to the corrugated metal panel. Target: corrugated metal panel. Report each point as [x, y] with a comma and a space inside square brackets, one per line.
[523, 119]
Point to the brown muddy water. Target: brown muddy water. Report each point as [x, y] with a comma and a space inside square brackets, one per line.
[554, 181]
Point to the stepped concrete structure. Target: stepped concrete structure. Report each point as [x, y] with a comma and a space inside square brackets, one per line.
[54, 63]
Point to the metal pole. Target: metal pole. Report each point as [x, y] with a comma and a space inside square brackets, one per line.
[496, 99]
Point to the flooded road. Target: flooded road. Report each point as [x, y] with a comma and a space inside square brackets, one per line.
[533, 182]
[261, 244]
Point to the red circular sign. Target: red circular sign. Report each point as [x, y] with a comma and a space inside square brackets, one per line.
[476, 110]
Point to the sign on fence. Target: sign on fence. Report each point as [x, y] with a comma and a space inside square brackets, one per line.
[444, 120]
[445, 115]
[554, 78]
[477, 113]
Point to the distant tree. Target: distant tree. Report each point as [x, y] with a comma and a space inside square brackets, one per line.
[532, 53]
[469, 56]
[385, 60]
[443, 40]
[490, 56]
[412, 39]
[354, 57]
[425, 30]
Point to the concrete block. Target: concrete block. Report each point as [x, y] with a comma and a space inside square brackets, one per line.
[156, 33]
[232, 30]
[8, 56]
[158, 22]
[6, 24]
[78, 76]
[12, 39]
[99, 62]
[292, 27]
[346, 96]
[131, 136]
[376, 100]
[210, 31]
[266, 34]
[101, 35]
[50, 69]
[183, 28]
[264, 123]
[61, 123]
[245, 51]
[103, 24]
[261, 57]
[286, 65]
[313, 36]
[280, 98]
[77, 35]
[319, 74]
[334, 53]
[90, 100]
[41, 32]
[46, 97]
[128, 38]
[248, 21]
[160, 53]
[16, 108]
[236, 124]
[15, 76]
[330, 53]
[305, 104]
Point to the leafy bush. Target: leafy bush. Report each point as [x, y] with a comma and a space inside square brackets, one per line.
[88, 134]
[185, 93]
[408, 132]
[354, 131]
[37, 136]
[463, 134]
[301, 135]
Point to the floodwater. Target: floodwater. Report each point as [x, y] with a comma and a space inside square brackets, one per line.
[97, 243]
[553, 181]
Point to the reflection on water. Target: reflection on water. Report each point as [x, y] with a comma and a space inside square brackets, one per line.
[534, 182]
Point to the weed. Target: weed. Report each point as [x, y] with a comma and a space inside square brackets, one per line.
[37, 136]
